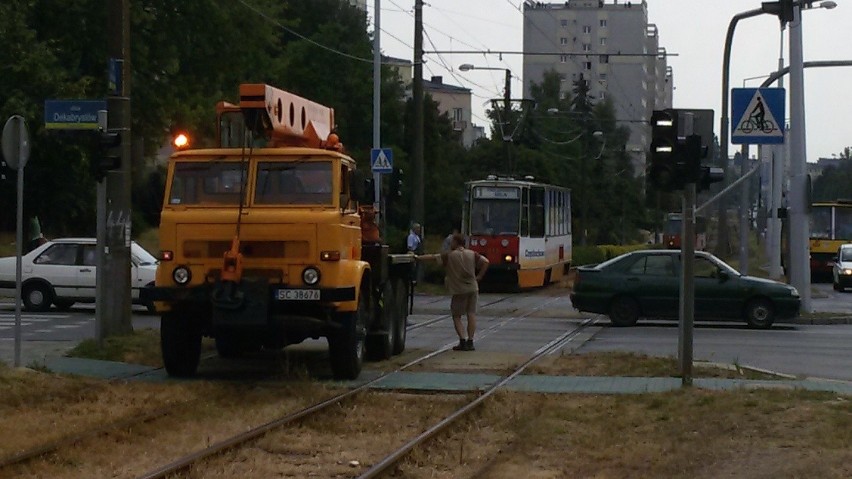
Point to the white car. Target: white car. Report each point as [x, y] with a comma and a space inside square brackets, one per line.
[841, 272]
[62, 272]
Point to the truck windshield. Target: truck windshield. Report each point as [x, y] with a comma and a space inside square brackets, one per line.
[293, 183]
[208, 183]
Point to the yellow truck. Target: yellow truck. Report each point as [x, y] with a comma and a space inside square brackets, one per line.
[270, 239]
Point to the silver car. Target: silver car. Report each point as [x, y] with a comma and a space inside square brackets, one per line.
[62, 272]
[841, 271]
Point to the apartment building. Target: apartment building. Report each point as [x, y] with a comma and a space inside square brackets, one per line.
[610, 45]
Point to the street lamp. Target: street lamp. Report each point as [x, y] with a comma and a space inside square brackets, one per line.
[507, 92]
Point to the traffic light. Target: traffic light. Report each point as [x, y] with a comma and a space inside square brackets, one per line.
[676, 151]
[395, 186]
[783, 9]
[663, 169]
[709, 175]
[108, 156]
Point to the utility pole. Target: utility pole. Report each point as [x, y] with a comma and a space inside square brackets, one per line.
[418, 195]
[377, 111]
[113, 302]
[800, 268]
[507, 107]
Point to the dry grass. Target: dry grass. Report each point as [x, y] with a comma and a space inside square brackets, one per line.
[632, 364]
[689, 434]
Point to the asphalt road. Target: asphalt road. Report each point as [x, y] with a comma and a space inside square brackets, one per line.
[802, 350]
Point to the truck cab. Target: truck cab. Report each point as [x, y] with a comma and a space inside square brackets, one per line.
[262, 243]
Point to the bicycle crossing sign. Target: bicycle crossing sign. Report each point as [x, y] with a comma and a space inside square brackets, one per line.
[758, 116]
[381, 160]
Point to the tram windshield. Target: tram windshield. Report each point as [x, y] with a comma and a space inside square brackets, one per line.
[494, 212]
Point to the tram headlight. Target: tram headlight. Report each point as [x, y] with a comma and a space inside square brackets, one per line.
[508, 258]
[504, 243]
[182, 275]
[482, 242]
[310, 276]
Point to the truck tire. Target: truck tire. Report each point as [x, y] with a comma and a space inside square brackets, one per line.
[346, 346]
[400, 290]
[180, 339]
[380, 345]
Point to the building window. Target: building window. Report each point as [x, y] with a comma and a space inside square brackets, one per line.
[603, 40]
[603, 95]
[587, 29]
[563, 41]
[603, 23]
[587, 65]
[457, 114]
[604, 59]
[587, 47]
[563, 58]
[602, 76]
[563, 22]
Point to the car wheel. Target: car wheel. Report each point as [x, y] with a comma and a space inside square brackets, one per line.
[63, 304]
[180, 340]
[38, 297]
[624, 311]
[346, 345]
[759, 313]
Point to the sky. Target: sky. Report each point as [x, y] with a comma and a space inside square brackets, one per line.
[693, 30]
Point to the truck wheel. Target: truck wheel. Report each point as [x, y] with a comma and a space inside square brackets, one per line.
[346, 346]
[380, 346]
[180, 339]
[401, 316]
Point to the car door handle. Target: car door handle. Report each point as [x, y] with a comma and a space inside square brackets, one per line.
[85, 270]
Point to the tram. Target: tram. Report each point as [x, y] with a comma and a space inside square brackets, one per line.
[522, 226]
[672, 231]
[830, 227]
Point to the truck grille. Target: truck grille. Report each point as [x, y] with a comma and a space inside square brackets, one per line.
[250, 249]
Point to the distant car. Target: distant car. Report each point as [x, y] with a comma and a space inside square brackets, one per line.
[841, 271]
[62, 272]
[646, 284]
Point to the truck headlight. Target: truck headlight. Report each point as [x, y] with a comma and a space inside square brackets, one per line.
[310, 276]
[181, 275]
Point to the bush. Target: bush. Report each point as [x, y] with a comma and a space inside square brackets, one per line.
[583, 255]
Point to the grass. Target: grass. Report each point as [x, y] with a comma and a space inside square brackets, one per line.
[7, 244]
[141, 347]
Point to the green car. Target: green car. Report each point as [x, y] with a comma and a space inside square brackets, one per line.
[647, 283]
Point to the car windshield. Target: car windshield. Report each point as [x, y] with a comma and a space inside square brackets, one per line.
[141, 256]
[846, 254]
[721, 264]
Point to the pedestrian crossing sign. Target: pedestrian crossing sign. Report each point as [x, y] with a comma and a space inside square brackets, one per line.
[381, 160]
[758, 116]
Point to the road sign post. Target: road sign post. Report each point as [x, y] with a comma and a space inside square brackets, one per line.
[16, 151]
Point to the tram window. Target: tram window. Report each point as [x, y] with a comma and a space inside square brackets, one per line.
[536, 212]
[820, 226]
[842, 223]
[525, 212]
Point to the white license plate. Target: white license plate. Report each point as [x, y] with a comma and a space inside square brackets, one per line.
[298, 295]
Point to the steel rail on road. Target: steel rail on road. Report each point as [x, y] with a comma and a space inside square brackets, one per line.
[397, 455]
[188, 460]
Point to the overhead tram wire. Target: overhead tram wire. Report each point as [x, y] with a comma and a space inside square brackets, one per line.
[309, 40]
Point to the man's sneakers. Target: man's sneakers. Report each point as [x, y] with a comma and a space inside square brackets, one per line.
[464, 345]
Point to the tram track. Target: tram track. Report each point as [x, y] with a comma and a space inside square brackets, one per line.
[399, 454]
[190, 460]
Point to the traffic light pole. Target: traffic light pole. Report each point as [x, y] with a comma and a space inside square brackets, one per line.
[115, 224]
[687, 286]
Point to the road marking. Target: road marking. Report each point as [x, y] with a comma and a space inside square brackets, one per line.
[66, 326]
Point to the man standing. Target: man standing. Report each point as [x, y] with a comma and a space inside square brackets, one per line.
[464, 269]
[414, 245]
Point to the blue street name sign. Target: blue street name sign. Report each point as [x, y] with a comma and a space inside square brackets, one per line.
[381, 160]
[72, 114]
[758, 116]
